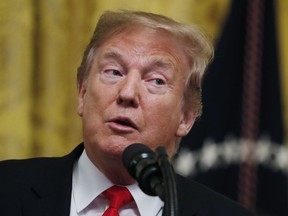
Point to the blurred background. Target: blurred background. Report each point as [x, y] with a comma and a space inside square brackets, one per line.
[239, 147]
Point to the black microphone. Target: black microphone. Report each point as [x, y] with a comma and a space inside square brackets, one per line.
[154, 174]
[141, 163]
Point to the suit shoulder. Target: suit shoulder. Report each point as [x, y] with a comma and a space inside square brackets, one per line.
[34, 169]
[205, 200]
[41, 164]
[14, 169]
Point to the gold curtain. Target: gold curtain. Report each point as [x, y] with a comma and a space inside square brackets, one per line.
[16, 60]
[282, 17]
[41, 44]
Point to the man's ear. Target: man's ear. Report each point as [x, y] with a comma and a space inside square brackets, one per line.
[81, 97]
[186, 122]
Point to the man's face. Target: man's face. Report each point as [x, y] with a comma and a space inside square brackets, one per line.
[134, 94]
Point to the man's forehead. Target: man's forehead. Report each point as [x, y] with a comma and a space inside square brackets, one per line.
[159, 60]
[153, 47]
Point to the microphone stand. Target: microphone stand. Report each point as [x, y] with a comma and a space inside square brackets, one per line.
[170, 191]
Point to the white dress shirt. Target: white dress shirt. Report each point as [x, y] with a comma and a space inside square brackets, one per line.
[88, 183]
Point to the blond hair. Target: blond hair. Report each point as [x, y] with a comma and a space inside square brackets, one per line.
[196, 46]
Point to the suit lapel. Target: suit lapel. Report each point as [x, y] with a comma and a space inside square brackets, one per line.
[51, 192]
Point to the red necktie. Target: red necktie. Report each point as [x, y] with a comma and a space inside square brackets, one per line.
[118, 197]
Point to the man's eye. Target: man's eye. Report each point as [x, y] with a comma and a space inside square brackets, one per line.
[116, 73]
[159, 82]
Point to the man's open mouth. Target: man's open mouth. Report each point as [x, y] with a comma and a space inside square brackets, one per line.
[125, 122]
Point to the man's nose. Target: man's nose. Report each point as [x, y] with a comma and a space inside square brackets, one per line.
[129, 91]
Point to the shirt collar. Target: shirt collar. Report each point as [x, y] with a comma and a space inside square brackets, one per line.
[142, 201]
[89, 182]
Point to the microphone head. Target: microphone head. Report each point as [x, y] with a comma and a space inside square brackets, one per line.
[134, 155]
[141, 163]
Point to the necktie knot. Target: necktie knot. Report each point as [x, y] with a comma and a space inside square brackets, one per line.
[118, 197]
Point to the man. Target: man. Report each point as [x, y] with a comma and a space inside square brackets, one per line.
[139, 82]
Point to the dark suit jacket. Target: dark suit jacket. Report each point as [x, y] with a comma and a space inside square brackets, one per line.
[42, 186]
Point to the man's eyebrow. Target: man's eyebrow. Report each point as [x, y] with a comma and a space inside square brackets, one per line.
[112, 54]
[160, 62]
[154, 61]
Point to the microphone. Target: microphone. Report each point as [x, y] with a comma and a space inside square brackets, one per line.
[154, 174]
[141, 163]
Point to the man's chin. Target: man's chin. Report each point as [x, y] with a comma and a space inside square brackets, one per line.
[115, 145]
[120, 176]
